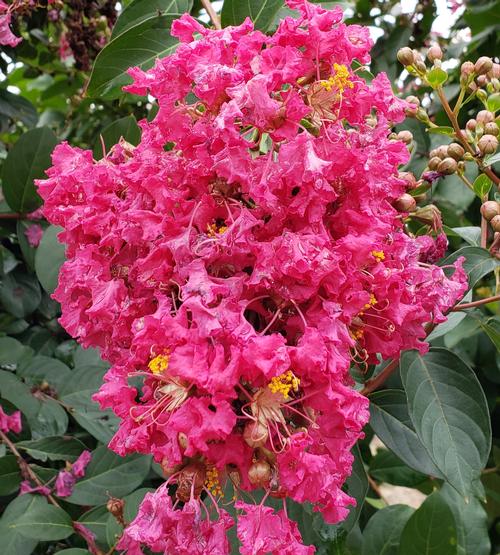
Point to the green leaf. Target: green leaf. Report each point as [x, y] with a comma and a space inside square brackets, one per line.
[45, 416]
[109, 474]
[471, 522]
[436, 77]
[470, 234]
[450, 414]
[10, 476]
[14, 543]
[16, 107]
[381, 534]
[27, 250]
[124, 127]
[77, 394]
[64, 448]
[44, 522]
[493, 102]
[441, 130]
[74, 551]
[41, 369]
[390, 421]
[478, 263]
[492, 159]
[27, 160]
[482, 185]
[453, 319]
[49, 258]
[357, 487]
[139, 11]
[138, 46]
[261, 12]
[96, 521]
[431, 529]
[386, 467]
[491, 327]
[12, 352]
[20, 293]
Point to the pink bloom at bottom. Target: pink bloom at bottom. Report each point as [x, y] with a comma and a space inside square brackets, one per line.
[34, 235]
[261, 531]
[26, 487]
[10, 423]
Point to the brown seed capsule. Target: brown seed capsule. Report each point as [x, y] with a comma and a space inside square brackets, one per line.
[434, 163]
[406, 56]
[467, 68]
[485, 116]
[259, 473]
[495, 223]
[442, 151]
[435, 53]
[483, 65]
[255, 434]
[456, 151]
[487, 144]
[490, 209]
[482, 80]
[191, 479]
[405, 203]
[447, 166]
[405, 136]
[491, 129]
[471, 124]
[115, 507]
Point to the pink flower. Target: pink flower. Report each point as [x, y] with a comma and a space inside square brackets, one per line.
[10, 423]
[34, 234]
[7, 37]
[262, 531]
[27, 487]
[66, 479]
[79, 466]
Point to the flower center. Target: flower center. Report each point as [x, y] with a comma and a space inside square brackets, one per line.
[159, 364]
[378, 255]
[340, 80]
[284, 383]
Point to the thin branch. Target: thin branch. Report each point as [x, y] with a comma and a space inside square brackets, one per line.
[379, 379]
[212, 13]
[475, 303]
[376, 488]
[11, 216]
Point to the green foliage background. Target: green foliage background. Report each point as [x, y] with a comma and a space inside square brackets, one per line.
[433, 416]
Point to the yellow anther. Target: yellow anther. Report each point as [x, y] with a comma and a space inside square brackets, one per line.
[378, 255]
[284, 383]
[340, 80]
[212, 482]
[370, 303]
[159, 364]
[214, 229]
[356, 334]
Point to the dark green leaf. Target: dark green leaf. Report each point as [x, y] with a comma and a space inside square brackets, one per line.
[14, 543]
[431, 529]
[381, 534]
[386, 467]
[10, 477]
[96, 521]
[20, 293]
[139, 11]
[64, 448]
[27, 160]
[74, 551]
[49, 258]
[449, 412]
[12, 352]
[40, 369]
[125, 127]
[493, 159]
[482, 185]
[138, 46]
[491, 327]
[478, 262]
[261, 12]
[43, 523]
[27, 250]
[357, 487]
[392, 424]
[109, 474]
[16, 107]
[471, 234]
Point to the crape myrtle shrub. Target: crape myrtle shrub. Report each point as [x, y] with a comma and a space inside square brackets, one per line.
[251, 259]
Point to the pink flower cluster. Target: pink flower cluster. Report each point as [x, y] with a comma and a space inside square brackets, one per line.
[235, 264]
[7, 37]
[10, 422]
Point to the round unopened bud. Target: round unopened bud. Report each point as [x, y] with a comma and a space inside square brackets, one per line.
[259, 473]
[409, 179]
[487, 144]
[471, 124]
[434, 163]
[447, 166]
[482, 95]
[491, 129]
[485, 116]
[435, 53]
[406, 56]
[420, 66]
[467, 68]
[422, 115]
[405, 203]
[490, 209]
[483, 65]
[413, 100]
[405, 136]
[482, 80]
[442, 151]
[115, 507]
[456, 151]
[495, 223]
[255, 434]
[495, 72]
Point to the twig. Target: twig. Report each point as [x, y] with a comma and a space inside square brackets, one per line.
[376, 488]
[212, 13]
[11, 216]
[475, 303]
[379, 379]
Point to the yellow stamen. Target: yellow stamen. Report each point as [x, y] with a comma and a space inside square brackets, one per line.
[214, 229]
[212, 482]
[356, 334]
[340, 80]
[159, 364]
[284, 383]
[371, 302]
[378, 255]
